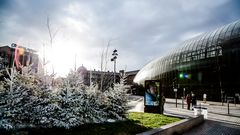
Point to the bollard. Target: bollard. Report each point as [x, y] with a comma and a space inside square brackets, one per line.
[228, 106]
[176, 98]
[175, 90]
[182, 103]
[235, 101]
[204, 98]
[183, 98]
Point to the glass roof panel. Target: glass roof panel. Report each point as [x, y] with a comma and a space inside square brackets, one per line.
[236, 30]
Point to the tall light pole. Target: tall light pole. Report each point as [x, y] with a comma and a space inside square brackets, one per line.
[114, 60]
[219, 73]
[183, 98]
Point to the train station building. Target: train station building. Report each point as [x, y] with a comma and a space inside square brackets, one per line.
[206, 64]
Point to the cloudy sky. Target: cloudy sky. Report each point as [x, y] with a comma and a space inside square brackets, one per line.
[140, 30]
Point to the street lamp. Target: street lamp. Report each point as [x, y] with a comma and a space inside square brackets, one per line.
[114, 60]
[183, 98]
[175, 88]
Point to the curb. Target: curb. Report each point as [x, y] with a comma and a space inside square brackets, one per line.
[177, 115]
[225, 121]
[176, 127]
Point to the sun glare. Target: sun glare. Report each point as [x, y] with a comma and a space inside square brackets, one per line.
[60, 59]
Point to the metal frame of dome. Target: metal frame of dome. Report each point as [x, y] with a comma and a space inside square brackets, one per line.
[208, 47]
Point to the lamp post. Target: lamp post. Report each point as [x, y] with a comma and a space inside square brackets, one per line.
[219, 52]
[175, 90]
[114, 60]
[183, 98]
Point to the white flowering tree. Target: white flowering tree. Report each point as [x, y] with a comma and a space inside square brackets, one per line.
[32, 104]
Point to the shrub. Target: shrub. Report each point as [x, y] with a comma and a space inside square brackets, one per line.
[28, 100]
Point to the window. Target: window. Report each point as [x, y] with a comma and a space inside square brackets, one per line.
[183, 58]
[213, 50]
[228, 35]
[201, 54]
[229, 31]
[216, 36]
[194, 55]
[236, 30]
[219, 50]
[189, 56]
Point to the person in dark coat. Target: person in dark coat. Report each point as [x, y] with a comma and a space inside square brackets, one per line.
[188, 99]
[194, 100]
[163, 102]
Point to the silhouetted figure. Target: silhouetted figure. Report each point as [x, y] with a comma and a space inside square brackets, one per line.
[194, 100]
[163, 102]
[188, 99]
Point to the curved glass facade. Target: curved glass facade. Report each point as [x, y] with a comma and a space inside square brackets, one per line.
[208, 63]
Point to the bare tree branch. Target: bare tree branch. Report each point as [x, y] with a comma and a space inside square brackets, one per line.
[49, 30]
[104, 65]
[52, 35]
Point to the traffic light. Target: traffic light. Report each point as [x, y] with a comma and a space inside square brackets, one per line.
[181, 76]
[185, 76]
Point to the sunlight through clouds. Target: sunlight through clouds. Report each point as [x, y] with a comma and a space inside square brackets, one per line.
[143, 29]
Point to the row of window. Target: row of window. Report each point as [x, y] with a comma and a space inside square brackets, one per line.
[204, 46]
[214, 38]
[189, 56]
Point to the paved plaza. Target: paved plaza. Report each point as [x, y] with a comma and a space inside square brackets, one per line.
[218, 121]
[216, 111]
[214, 128]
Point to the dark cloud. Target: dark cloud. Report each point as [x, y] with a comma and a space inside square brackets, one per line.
[141, 30]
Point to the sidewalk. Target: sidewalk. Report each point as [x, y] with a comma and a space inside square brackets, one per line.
[214, 128]
[135, 104]
[172, 100]
[216, 111]
[218, 121]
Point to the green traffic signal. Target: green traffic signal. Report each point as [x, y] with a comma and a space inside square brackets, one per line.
[185, 76]
[181, 76]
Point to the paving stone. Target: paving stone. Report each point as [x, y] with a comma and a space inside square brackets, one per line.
[214, 128]
[219, 122]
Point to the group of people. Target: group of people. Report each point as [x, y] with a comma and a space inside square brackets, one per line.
[191, 98]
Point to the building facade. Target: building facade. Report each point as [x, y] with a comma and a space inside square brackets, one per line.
[130, 75]
[24, 56]
[208, 63]
[133, 87]
[95, 77]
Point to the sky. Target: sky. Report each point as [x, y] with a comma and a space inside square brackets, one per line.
[141, 30]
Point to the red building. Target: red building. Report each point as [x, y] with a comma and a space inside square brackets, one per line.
[20, 57]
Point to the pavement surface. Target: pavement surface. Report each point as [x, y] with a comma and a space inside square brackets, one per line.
[218, 121]
[216, 111]
[214, 128]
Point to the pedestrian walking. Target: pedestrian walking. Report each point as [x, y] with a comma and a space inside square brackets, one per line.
[188, 99]
[205, 98]
[163, 102]
[194, 100]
